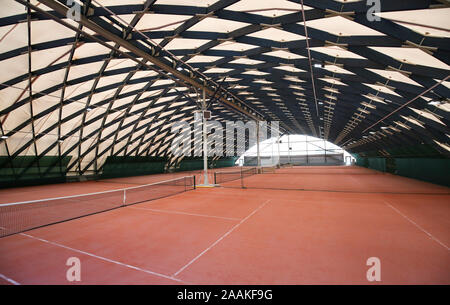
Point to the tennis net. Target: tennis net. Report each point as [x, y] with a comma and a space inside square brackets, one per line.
[22, 216]
[345, 179]
[268, 169]
[327, 170]
[226, 176]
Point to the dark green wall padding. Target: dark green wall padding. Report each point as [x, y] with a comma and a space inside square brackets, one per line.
[224, 162]
[119, 166]
[434, 170]
[196, 163]
[190, 164]
[378, 164]
[431, 170]
[29, 170]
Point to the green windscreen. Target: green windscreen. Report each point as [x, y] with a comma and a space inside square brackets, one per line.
[434, 170]
[31, 170]
[224, 162]
[190, 164]
[127, 166]
[196, 163]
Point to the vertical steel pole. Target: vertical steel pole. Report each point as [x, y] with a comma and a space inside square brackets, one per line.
[205, 143]
[289, 150]
[271, 159]
[257, 147]
[279, 155]
[307, 151]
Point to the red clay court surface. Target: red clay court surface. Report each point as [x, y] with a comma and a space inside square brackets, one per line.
[320, 229]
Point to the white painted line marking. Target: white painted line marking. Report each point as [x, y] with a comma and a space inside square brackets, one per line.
[185, 213]
[8, 279]
[103, 258]
[221, 238]
[419, 227]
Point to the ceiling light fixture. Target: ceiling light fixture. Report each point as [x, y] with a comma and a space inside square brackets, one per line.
[319, 65]
[436, 102]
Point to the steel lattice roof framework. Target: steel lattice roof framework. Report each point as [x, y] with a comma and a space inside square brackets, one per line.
[113, 83]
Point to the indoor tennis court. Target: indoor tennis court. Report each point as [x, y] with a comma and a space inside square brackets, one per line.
[299, 233]
[224, 142]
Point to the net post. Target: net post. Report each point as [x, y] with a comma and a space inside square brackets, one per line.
[194, 182]
[124, 197]
[215, 178]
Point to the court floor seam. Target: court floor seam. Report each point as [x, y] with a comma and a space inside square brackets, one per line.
[221, 238]
[104, 258]
[416, 225]
[185, 213]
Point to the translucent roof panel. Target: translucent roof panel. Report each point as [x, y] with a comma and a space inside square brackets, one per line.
[433, 23]
[341, 26]
[215, 25]
[412, 56]
[160, 22]
[277, 35]
[268, 8]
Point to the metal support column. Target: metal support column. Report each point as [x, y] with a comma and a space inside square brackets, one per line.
[205, 142]
[279, 155]
[289, 150]
[258, 157]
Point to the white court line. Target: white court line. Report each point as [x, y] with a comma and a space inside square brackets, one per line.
[419, 227]
[184, 213]
[104, 258]
[9, 280]
[221, 238]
